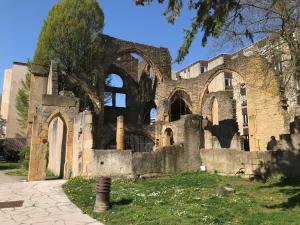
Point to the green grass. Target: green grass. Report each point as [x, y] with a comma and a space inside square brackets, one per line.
[193, 198]
[9, 165]
[24, 172]
[15, 169]
[18, 172]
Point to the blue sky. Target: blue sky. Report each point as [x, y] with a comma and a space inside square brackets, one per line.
[21, 21]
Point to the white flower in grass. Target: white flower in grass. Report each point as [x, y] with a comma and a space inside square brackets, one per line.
[141, 195]
[154, 194]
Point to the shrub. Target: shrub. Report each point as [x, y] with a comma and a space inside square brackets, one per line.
[24, 157]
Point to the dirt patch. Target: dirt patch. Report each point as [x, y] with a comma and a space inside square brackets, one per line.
[11, 204]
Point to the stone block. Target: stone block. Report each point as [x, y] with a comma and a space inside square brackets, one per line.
[59, 101]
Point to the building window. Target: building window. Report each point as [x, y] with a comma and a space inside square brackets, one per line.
[245, 119]
[228, 83]
[228, 80]
[203, 69]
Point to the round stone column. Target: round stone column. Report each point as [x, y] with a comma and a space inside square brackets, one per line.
[120, 136]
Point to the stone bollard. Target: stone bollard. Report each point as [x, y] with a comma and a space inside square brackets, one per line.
[102, 194]
[120, 135]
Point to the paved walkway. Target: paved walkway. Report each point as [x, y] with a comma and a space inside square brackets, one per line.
[44, 204]
[4, 179]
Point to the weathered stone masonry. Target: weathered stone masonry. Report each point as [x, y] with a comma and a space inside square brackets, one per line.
[205, 111]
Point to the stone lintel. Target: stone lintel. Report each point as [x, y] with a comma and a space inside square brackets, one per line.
[58, 100]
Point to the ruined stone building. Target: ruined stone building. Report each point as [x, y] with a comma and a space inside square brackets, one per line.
[15, 135]
[157, 122]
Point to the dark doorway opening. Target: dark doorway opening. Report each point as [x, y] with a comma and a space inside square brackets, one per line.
[168, 136]
[63, 152]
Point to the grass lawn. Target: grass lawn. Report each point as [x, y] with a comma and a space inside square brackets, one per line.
[193, 198]
[18, 172]
[9, 165]
[24, 172]
[16, 169]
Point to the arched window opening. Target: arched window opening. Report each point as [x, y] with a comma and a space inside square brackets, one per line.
[114, 80]
[57, 137]
[114, 95]
[142, 67]
[137, 57]
[153, 114]
[178, 108]
[168, 137]
[150, 116]
[149, 72]
[179, 105]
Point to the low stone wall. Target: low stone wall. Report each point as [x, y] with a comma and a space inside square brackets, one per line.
[258, 163]
[167, 160]
[114, 163]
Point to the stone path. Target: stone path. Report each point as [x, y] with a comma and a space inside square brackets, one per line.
[44, 204]
[9, 179]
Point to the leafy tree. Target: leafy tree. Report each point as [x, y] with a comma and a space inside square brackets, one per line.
[236, 19]
[69, 36]
[241, 21]
[209, 16]
[22, 101]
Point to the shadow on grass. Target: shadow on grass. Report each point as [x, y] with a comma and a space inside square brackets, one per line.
[123, 201]
[287, 181]
[289, 186]
[286, 164]
[290, 203]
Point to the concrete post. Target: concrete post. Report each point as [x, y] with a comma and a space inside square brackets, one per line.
[120, 135]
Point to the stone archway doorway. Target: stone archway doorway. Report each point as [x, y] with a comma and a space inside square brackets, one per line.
[39, 147]
[57, 140]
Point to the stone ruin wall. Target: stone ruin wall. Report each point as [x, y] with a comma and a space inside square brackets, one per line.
[259, 164]
[266, 115]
